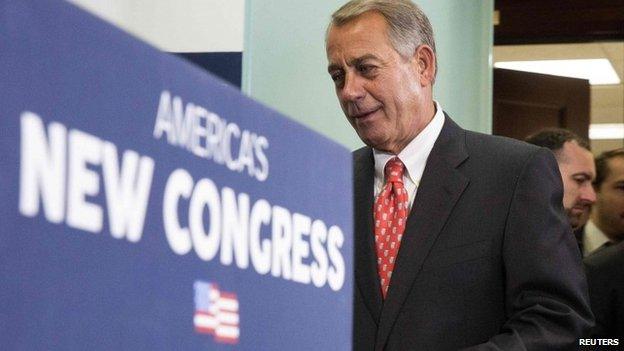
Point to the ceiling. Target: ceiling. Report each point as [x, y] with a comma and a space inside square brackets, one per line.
[568, 29]
[558, 21]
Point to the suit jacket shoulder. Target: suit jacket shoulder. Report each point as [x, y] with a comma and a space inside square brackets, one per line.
[609, 259]
[498, 150]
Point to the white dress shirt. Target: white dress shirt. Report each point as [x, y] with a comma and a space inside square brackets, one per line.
[593, 238]
[414, 157]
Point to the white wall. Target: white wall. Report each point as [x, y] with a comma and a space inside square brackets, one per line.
[177, 26]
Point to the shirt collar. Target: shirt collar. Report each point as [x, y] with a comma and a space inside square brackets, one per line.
[414, 155]
[594, 238]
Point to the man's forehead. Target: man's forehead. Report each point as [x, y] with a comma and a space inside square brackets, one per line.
[616, 167]
[577, 157]
[572, 150]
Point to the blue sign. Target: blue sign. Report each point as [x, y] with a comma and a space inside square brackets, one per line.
[147, 205]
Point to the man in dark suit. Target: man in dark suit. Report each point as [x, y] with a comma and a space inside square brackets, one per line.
[605, 275]
[576, 164]
[605, 267]
[460, 238]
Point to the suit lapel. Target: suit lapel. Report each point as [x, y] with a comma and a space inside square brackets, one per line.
[365, 260]
[440, 188]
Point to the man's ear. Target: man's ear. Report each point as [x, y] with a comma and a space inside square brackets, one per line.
[426, 61]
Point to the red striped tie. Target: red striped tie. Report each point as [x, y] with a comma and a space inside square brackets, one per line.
[390, 213]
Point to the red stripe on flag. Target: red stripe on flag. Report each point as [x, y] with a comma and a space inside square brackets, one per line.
[204, 330]
[228, 295]
[226, 340]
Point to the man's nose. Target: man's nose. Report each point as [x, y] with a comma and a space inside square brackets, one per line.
[353, 88]
[588, 194]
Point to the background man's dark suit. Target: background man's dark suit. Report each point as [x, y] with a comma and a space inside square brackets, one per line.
[605, 277]
[487, 251]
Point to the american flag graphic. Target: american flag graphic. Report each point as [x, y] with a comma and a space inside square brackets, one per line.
[216, 312]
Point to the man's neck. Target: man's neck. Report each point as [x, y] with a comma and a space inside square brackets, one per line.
[418, 128]
[613, 237]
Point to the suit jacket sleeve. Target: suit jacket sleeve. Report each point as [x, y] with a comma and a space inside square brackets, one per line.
[546, 292]
[605, 275]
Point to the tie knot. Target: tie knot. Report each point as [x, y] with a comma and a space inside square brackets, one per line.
[394, 170]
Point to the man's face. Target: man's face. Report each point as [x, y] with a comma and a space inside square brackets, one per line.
[610, 200]
[577, 168]
[386, 97]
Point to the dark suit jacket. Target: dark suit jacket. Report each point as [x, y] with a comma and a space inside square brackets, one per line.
[579, 234]
[605, 276]
[487, 258]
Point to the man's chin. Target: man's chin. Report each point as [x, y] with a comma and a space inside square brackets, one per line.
[575, 225]
[372, 139]
[575, 220]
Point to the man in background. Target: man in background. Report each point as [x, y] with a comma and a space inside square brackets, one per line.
[576, 164]
[449, 236]
[606, 224]
[605, 267]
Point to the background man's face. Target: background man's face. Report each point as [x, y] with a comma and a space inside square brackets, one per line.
[380, 92]
[577, 168]
[610, 199]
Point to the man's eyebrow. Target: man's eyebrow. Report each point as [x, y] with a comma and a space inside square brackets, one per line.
[333, 67]
[361, 59]
[354, 62]
[583, 174]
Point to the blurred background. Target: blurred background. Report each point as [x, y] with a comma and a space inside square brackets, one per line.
[578, 39]
[507, 67]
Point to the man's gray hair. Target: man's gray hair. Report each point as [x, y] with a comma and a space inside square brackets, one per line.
[408, 25]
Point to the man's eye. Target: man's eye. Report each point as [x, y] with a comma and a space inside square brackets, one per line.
[366, 69]
[337, 77]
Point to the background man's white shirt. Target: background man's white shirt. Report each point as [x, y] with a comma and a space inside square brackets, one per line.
[593, 238]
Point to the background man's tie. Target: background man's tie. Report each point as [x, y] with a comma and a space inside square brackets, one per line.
[390, 214]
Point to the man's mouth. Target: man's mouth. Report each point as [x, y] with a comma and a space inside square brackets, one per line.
[364, 114]
[580, 209]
